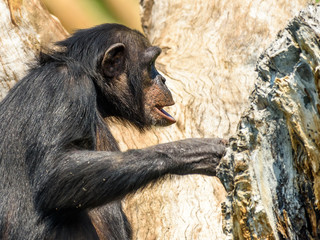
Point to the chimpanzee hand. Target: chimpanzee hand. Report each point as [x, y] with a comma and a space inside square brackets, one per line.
[195, 155]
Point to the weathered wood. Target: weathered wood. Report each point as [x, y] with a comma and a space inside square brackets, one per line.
[25, 27]
[210, 49]
[271, 171]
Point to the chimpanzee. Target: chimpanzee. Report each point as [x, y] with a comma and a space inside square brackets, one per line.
[61, 171]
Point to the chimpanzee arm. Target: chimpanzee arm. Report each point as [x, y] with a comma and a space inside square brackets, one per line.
[87, 179]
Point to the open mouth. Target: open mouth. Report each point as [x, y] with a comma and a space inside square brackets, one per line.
[165, 115]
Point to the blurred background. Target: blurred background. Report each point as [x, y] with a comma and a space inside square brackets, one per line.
[76, 14]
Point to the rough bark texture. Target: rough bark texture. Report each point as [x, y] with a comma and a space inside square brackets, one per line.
[210, 52]
[25, 27]
[271, 171]
[210, 49]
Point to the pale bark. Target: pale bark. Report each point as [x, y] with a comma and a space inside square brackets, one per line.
[271, 170]
[25, 27]
[210, 49]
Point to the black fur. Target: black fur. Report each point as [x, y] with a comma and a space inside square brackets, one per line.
[54, 184]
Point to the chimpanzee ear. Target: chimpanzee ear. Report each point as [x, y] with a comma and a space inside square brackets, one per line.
[114, 60]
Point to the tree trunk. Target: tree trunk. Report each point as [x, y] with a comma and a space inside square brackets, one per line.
[25, 28]
[271, 170]
[210, 49]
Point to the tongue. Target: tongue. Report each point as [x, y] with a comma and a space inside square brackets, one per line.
[168, 116]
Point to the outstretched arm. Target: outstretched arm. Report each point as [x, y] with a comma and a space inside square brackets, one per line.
[87, 179]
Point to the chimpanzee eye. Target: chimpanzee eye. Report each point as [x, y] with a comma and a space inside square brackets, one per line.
[153, 71]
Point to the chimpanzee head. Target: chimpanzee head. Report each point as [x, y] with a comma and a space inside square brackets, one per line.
[122, 65]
